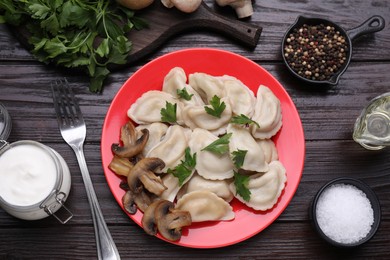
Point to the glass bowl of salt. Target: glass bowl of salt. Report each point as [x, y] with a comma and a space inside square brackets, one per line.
[346, 212]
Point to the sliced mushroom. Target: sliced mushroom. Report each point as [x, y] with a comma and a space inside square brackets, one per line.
[133, 201]
[121, 166]
[143, 172]
[148, 219]
[129, 203]
[170, 220]
[144, 199]
[131, 145]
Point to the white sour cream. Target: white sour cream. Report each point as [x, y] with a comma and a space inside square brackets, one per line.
[27, 175]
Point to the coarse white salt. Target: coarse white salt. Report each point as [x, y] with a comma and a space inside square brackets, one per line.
[344, 213]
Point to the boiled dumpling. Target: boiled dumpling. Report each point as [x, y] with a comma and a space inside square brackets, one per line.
[268, 114]
[207, 86]
[173, 187]
[219, 187]
[156, 133]
[147, 108]
[172, 148]
[204, 205]
[209, 165]
[241, 139]
[197, 117]
[176, 80]
[265, 188]
[242, 99]
[269, 149]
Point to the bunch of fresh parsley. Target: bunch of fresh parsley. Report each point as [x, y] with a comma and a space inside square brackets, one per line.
[88, 35]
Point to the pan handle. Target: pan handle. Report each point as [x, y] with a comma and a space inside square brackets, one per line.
[374, 24]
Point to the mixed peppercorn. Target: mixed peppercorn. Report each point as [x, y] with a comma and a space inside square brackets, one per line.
[316, 52]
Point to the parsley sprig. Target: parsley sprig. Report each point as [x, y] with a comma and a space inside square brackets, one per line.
[219, 146]
[239, 157]
[168, 114]
[241, 183]
[243, 120]
[185, 168]
[87, 35]
[183, 93]
[217, 107]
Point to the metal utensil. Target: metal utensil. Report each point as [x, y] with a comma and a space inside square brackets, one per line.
[73, 131]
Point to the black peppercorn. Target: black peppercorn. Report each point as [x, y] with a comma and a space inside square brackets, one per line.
[316, 52]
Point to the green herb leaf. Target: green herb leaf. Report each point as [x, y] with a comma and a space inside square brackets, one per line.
[168, 114]
[185, 168]
[184, 94]
[219, 146]
[241, 184]
[89, 35]
[216, 107]
[243, 120]
[239, 157]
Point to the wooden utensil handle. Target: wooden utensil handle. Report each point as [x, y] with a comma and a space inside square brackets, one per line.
[247, 34]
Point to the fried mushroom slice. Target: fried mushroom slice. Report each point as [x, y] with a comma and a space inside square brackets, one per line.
[121, 166]
[148, 219]
[131, 145]
[170, 220]
[141, 200]
[129, 202]
[144, 173]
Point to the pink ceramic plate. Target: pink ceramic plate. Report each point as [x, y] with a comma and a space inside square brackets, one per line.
[289, 141]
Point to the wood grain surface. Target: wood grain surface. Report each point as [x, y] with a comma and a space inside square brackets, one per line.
[328, 116]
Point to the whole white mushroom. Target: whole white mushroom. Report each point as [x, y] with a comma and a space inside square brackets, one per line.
[243, 8]
[187, 6]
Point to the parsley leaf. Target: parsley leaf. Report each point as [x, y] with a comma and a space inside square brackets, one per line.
[219, 146]
[168, 114]
[216, 107]
[239, 157]
[91, 36]
[241, 184]
[243, 120]
[184, 94]
[185, 168]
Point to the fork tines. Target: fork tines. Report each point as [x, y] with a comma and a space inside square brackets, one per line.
[65, 104]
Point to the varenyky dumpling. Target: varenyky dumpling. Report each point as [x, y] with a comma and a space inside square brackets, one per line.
[265, 188]
[173, 187]
[268, 114]
[156, 133]
[242, 139]
[172, 148]
[147, 108]
[207, 86]
[197, 117]
[269, 149]
[204, 205]
[209, 165]
[242, 99]
[176, 80]
[197, 182]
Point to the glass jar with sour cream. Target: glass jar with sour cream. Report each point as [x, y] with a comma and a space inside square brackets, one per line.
[34, 179]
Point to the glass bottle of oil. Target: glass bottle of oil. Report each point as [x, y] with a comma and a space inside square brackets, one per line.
[372, 127]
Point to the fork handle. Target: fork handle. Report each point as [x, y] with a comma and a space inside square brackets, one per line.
[106, 248]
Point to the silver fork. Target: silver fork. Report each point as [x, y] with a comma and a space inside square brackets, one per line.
[73, 131]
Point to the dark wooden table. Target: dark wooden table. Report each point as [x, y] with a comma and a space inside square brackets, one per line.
[328, 117]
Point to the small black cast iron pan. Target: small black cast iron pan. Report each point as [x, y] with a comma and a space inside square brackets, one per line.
[374, 24]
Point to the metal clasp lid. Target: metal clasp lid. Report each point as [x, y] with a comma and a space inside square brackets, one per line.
[3, 144]
[57, 205]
